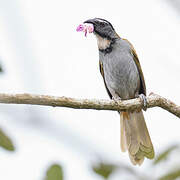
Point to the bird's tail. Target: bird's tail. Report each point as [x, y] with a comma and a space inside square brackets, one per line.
[135, 137]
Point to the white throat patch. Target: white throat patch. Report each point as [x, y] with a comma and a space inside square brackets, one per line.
[103, 43]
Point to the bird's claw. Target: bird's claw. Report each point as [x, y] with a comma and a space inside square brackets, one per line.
[144, 99]
[116, 99]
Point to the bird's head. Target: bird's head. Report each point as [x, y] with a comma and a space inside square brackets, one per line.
[104, 32]
[103, 28]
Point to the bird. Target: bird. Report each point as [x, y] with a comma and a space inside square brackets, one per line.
[123, 78]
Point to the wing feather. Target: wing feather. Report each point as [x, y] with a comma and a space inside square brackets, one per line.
[102, 73]
[136, 60]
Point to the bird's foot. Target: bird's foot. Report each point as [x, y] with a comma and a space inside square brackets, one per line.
[144, 100]
[116, 99]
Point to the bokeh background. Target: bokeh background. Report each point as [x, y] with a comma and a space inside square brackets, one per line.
[41, 53]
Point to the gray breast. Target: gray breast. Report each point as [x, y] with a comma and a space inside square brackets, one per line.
[120, 71]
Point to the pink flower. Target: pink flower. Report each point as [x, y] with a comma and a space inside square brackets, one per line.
[86, 28]
[80, 28]
[90, 28]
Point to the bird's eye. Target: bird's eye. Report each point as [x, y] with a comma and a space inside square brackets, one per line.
[102, 24]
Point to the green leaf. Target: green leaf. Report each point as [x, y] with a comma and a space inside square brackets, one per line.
[1, 69]
[54, 172]
[5, 141]
[164, 155]
[104, 170]
[171, 175]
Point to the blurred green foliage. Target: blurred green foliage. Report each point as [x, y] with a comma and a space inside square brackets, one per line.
[171, 175]
[104, 170]
[164, 155]
[6, 142]
[1, 69]
[54, 172]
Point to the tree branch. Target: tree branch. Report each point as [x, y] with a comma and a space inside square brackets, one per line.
[153, 100]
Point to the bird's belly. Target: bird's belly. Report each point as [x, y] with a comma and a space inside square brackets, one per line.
[123, 78]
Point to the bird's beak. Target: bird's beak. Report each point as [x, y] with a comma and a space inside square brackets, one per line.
[92, 21]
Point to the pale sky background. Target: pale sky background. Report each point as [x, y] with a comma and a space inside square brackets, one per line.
[42, 53]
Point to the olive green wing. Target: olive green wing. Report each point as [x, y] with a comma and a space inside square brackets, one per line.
[102, 73]
[136, 60]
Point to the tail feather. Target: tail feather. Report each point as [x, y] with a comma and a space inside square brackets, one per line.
[135, 137]
[123, 137]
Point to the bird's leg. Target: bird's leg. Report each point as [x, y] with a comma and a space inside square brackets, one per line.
[115, 96]
[116, 99]
[144, 100]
